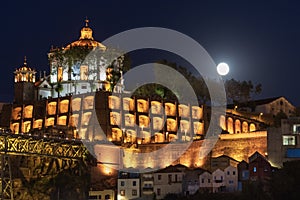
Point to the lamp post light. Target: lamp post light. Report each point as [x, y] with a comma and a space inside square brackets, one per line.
[260, 115]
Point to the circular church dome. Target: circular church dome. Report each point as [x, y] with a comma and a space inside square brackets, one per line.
[86, 39]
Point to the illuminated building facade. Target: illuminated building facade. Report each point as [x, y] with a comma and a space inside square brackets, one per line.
[81, 67]
[76, 101]
[102, 116]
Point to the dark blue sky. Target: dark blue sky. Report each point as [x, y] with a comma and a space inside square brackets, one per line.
[258, 39]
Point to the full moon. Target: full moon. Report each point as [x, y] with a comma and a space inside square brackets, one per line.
[223, 69]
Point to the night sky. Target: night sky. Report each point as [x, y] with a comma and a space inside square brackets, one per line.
[258, 39]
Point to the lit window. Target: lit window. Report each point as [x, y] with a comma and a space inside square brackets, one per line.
[296, 128]
[122, 192]
[84, 72]
[289, 140]
[254, 169]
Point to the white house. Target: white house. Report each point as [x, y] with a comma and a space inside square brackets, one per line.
[231, 178]
[128, 186]
[218, 184]
[205, 181]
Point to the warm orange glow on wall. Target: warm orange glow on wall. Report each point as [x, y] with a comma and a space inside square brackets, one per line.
[64, 106]
[157, 123]
[16, 113]
[223, 122]
[51, 108]
[146, 137]
[62, 120]
[171, 125]
[38, 123]
[115, 118]
[86, 118]
[128, 104]
[76, 103]
[230, 125]
[50, 121]
[74, 120]
[129, 120]
[183, 110]
[15, 127]
[237, 126]
[26, 126]
[245, 127]
[197, 112]
[159, 137]
[156, 107]
[142, 105]
[198, 128]
[113, 102]
[82, 133]
[172, 137]
[28, 111]
[88, 102]
[144, 121]
[116, 134]
[130, 136]
[184, 126]
[170, 109]
[252, 127]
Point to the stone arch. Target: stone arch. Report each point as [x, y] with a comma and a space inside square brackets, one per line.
[237, 126]
[223, 122]
[245, 127]
[230, 128]
[252, 127]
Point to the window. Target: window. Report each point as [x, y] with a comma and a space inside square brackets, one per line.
[233, 172]
[288, 140]
[254, 169]
[175, 177]
[93, 197]
[122, 183]
[106, 197]
[228, 173]
[134, 192]
[296, 128]
[134, 183]
[159, 177]
[202, 180]
[122, 192]
[230, 181]
[84, 72]
[208, 180]
[158, 191]
[83, 87]
[170, 178]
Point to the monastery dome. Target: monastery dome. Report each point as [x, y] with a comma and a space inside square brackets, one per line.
[86, 39]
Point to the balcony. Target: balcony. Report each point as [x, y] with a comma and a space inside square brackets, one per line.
[147, 188]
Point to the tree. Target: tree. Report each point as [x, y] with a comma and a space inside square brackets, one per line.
[241, 91]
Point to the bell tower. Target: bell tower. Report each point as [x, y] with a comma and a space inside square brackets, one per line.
[24, 90]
